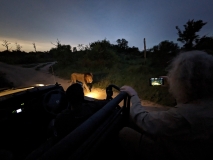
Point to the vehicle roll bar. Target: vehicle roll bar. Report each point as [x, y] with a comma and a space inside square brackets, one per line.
[66, 147]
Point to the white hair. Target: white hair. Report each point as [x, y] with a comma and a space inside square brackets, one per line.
[191, 76]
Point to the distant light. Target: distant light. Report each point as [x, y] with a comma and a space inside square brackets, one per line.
[93, 94]
[39, 84]
[19, 110]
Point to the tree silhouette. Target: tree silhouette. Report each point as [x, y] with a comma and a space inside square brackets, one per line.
[60, 48]
[34, 46]
[205, 43]
[74, 49]
[18, 47]
[122, 43]
[188, 36]
[100, 46]
[6, 44]
[80, 47]
[58, 44]
[165, 47]
[168, 46]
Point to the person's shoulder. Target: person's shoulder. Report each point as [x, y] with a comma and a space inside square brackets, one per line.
[196, 106]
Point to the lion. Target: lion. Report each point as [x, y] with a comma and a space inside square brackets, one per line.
[84, 78]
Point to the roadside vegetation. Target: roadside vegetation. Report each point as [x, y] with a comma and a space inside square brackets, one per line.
[118, 63]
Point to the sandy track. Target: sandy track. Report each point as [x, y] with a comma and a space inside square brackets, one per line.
[22, 77]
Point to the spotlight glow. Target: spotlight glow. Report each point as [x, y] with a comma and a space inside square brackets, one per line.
[93, 94]
[39, 85]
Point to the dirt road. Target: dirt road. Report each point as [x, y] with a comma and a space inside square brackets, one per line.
[22, 77]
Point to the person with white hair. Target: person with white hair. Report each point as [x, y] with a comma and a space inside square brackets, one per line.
[186, 130]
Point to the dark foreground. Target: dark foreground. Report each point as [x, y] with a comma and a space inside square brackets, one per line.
[26, 127]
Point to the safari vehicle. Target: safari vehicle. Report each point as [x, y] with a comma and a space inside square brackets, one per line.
[26, 115]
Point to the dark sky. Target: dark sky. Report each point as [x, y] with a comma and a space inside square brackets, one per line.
[76, 22]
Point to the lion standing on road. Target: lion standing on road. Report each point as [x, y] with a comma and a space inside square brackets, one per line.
[84, 78]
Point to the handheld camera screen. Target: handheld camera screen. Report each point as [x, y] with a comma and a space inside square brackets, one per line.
[156, 81]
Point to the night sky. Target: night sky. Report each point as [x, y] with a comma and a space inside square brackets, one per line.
[75, 22]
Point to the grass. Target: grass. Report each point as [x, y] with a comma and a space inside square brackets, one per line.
[122, 72]
[108, 67]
